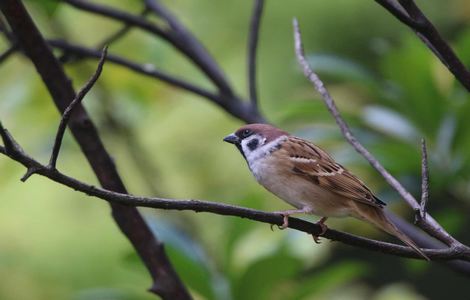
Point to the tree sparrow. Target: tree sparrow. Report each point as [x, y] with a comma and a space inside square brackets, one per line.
[306, 177]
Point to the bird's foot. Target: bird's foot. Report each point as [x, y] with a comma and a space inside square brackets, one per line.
[324, 228]
[285, 217]
[285, 222]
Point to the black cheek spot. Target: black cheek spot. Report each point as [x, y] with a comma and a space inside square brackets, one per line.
[253, 144]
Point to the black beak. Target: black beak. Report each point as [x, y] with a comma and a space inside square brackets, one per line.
[232, 139]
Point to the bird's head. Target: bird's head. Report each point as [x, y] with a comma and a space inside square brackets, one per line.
[254, 137]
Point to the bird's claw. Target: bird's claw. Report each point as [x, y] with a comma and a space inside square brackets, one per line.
[285, 222]
[324, 228]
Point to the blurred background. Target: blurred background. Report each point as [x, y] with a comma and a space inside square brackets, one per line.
[59, 244]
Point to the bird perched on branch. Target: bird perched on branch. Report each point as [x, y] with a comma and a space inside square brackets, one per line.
[306, 177]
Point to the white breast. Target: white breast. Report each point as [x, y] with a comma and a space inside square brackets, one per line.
[295, 190]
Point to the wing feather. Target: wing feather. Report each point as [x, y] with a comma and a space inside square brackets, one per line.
[315, 165]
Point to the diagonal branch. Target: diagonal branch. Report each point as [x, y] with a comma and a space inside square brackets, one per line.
[70, 109]
[238, 109]
[144, 69]
[407, 12]
[429, 225]
[119, 33]
[182, 40]
[166, 282]
[232, 210]
[253, 39]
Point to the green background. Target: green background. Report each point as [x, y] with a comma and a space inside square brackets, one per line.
[56, 243]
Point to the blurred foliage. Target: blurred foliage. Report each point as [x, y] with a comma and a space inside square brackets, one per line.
[58, 244]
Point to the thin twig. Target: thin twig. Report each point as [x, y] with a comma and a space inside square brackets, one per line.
[69, 110]
[431, 226]
[232, 210]
[424, 180]
[68, 56]
[253, 39]
[120, 33]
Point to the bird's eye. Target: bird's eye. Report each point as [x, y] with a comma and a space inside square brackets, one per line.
[246, 133]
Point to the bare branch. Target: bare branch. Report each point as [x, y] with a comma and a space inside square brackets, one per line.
[69, 56]
[144, 69]
[430, 225]
[232, 210]
[120, 33]
[69, 110]
[252, 47]
[165, 280]
[237, 108]
[424, 180]
[425, 30]
[11, 147]
[395, 9]
[182, 40]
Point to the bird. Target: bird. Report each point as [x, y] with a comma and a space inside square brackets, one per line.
[308, 178]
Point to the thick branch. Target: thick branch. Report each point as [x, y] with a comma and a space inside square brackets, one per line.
[166, 282]
[252, 47]
[231, 210]
[429, 225]
[410, 14]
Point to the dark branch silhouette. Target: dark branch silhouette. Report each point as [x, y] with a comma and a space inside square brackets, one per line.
[25, 38]
[166, 282]
[20, 156]
[253, 38]
[69, 110]
[407, 12]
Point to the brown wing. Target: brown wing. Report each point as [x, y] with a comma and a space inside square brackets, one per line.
[315, 165]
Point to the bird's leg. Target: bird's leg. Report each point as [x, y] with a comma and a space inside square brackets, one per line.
[286, 213]
[323, 227]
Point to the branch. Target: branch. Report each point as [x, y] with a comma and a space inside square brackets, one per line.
[236, 108]
[120, 33]
[232, 210]
[252, 47]
[424, 180]
[67, 56]
[409, 14]
[429, 225]
[182, 40]
[166, 282]
[144, 69]
[69, 110]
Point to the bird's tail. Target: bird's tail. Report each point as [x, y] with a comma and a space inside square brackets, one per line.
[377, 217]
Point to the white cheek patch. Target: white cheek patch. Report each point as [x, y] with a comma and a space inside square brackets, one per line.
[263, 149]
[252, 143]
